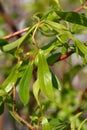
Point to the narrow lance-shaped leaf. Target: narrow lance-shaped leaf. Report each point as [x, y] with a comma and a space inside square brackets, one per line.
[55, 81]
[56, 25]
[81, 46]
[1, 108]
[82, 123]
[44, 76]
[36, 89]
[53, 58]
[59, 28]
[73, 17]
[24, 84]
[73, 120]
[57, 124]
[8, 84]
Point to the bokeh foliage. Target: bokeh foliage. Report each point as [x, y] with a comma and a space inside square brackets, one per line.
[42, 81]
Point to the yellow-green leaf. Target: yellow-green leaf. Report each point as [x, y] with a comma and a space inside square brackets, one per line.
[24, 84]
[81, 46]
[44, 76]
[36, 89]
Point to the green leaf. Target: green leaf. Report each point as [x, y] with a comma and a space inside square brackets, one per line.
[55, 81]
[10, 80]
[82, 123]
[36, 89]
[81, 46]
[55, 25]
[73, 120]
[1, 108]
[45, 124]
[24, 84]
[2, 92]
[44, 76]
[73, 17]
[3, 42]
[18, 42]
[53, 58]
[59, 28]
[57, 124]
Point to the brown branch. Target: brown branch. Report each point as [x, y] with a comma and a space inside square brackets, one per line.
[25, 29]
[64, 56]
[24, 121]
[15, 34]
[80, 8]
[16, 114]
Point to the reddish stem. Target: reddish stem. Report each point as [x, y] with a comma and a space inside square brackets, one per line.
[80, 8]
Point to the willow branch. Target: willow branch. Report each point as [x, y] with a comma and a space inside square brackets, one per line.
[17, 115]
[25, 29]
[62, 57]
[80, 8]
[15, 34]
[24, 121]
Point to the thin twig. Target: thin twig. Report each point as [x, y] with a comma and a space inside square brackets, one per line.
[25, 29]
[80, 8]
[24, 121]
[15, 34]
[64, 56]
[17, 115]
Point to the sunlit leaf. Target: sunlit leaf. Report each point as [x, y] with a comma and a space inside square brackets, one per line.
[24, 84]
[10, 81]
[81, 46]
[44, 76]
[2, 92]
